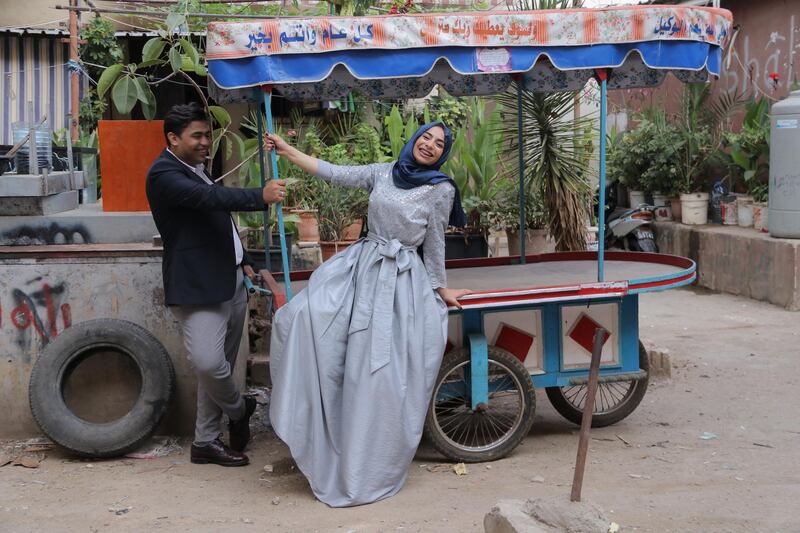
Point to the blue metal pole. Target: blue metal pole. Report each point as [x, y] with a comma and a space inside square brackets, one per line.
[263, 172]
[274, 160]
[601, 219]
[521, 174]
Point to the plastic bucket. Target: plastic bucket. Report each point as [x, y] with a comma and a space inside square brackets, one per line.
[694, 208]
[760, 216]
[744, 211]
[635, 198]
[728, 211]
[659, 200]
[663, 213]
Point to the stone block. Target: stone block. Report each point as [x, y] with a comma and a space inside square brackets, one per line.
[258, 371]
[660, 362]
[545, 515]
[26, 185]
[38, 205]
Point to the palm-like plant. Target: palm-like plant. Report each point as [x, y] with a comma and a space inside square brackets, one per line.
[556, 160]
[555, 153]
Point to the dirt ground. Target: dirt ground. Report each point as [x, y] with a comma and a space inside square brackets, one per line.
[735, 380]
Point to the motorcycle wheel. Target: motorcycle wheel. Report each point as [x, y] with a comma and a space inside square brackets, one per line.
[641, 245]
[647, 245]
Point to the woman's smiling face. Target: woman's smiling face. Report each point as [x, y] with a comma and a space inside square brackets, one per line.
[429, 147]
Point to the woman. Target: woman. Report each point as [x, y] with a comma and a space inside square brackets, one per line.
[354, 357]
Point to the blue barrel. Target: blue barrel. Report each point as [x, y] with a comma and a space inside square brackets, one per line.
[784, 168]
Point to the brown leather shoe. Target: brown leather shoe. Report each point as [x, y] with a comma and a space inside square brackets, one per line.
[215, 452]
[239, 430]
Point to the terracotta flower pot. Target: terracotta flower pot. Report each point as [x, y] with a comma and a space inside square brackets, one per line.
[536, 242]
[331, 248]
[353, 231]
[308, 227]
[675, 206]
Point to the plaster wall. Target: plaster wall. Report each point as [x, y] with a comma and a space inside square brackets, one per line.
[41, 296]
[738, 260]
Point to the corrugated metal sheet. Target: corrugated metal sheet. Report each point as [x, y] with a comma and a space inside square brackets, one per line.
[33, 68]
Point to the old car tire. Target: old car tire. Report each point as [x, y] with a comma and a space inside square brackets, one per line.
[511, 397]
[64, 354]
[613, 401]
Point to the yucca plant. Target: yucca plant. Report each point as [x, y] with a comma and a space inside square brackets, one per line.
[556, 160]
[555, 151]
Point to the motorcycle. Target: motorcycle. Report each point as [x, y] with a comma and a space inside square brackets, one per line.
[628, 228]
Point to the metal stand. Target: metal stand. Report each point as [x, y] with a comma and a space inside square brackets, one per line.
[601, 209]
[274, 160]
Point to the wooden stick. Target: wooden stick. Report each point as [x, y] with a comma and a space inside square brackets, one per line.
[586, 421]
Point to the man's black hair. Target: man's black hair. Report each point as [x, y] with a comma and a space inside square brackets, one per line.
[180, 116]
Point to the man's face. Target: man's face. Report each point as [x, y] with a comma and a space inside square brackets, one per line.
[193, 144]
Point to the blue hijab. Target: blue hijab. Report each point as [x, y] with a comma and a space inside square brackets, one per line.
[407, 173]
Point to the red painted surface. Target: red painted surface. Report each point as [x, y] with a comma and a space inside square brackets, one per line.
[514, 341]
[127, 149]
[583, 332]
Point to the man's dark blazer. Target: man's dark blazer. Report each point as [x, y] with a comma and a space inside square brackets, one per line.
[194, 220]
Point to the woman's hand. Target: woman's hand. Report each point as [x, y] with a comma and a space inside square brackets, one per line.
[451, 296]
[305, 162]
[274, 142]
[249, 272]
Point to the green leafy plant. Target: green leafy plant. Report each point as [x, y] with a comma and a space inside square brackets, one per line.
[99, 47]
[701, 124]
[749, 149]
[399, 130]
[646, 157]
[337, 207]
[501, 213]
[451, 110]
[128, 84]
[91, 110]
[476, 161]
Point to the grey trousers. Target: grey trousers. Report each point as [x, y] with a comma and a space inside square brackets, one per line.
[211, 334]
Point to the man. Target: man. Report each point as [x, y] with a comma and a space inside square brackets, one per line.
[203, 269]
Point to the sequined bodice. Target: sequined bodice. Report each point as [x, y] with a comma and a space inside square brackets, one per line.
[415, 217]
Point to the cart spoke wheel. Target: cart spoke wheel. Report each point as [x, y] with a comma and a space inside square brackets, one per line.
[491, 430]
[613, 402]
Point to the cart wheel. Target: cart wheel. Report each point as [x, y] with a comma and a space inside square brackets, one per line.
[613, 402]
[489, 432]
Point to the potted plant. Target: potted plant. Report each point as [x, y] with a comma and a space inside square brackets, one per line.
[643, 159]
[340, 211]
[475, 164]
[628, 161]
[502, 214]
[700, 124]
[749, 162]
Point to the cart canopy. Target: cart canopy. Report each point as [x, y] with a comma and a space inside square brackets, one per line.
[396, 56]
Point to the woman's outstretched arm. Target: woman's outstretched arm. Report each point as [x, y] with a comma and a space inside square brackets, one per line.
[354, 177]
[304, 161]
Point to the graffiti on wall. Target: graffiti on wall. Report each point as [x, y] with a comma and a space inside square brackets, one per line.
[764, 63]
[55, 233]
[35, 313]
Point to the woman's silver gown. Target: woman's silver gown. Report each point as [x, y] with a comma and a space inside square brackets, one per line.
[355, 355]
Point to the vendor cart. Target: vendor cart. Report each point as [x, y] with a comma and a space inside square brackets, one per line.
[531, 322]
